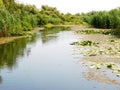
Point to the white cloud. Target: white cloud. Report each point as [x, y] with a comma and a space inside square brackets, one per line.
[76, 6]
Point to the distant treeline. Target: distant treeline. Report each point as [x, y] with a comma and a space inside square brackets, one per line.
[16, 18]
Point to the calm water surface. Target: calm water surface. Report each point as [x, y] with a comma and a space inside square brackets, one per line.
[45, 61]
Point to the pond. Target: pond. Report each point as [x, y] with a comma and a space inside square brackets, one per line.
[47, 61]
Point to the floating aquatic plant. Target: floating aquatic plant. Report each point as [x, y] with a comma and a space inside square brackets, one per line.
[85, 43]
[106, 32]
[109, 66]
[93, 54]
[112, 40]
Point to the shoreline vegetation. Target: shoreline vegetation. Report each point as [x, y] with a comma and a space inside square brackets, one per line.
[8, 39]
[4, 40]
[19, 20]
[79, 29]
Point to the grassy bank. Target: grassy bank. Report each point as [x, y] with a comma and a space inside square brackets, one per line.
[4, 40]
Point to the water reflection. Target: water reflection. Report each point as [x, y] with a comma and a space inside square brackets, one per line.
[1, 79]
[11, 52]
[50, 33]
[48, 67]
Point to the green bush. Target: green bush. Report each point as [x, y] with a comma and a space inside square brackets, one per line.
[103, 19]
[26, 26]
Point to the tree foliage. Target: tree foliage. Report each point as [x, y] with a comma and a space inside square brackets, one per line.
[16, 18]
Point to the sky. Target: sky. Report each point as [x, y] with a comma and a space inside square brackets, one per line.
[75, 6]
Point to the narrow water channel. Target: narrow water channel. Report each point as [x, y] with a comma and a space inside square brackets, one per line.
[46, 61]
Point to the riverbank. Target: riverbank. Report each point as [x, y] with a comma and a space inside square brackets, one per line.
[4, 40]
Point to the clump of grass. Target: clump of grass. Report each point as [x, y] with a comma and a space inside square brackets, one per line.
[85, 43]
[75, 43]
[99, 65]
[112, 40]
[106, 32]
[49, 25]
[93, 54]
[86, 31]
[110, 48]
[118, 50]
[109, 66]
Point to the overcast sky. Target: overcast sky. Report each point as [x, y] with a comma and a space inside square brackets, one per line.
[76, 6]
